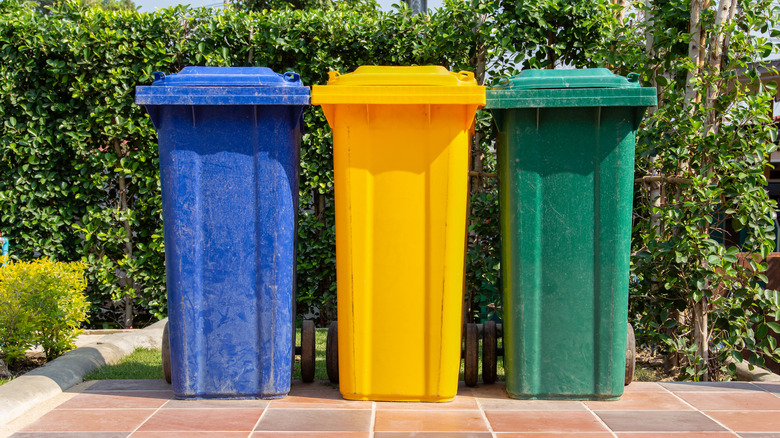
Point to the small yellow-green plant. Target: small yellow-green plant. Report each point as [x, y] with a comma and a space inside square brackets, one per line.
[41, 303]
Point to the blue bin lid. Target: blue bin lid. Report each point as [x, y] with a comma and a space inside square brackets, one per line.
[224, 86]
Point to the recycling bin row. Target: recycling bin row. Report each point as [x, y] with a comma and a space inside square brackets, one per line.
[229, 143]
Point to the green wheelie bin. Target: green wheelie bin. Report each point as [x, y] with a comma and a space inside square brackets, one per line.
[566, 171]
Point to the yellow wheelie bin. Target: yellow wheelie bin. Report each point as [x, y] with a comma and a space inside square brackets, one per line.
[400, 155]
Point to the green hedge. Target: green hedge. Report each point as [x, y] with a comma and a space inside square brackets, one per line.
[79, 176]
[79, 172]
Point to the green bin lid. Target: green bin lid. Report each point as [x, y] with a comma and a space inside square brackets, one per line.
[569, 88]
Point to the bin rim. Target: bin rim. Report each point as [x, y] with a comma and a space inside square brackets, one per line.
[571, 97]
[430, 84]
[157, 95]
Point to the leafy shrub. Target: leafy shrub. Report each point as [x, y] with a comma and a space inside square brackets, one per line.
[41, 303]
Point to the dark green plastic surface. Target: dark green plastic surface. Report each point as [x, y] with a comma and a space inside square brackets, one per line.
[569, 88]
[566, 191]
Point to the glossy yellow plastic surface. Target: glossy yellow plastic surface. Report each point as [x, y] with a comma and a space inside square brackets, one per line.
[401, 175]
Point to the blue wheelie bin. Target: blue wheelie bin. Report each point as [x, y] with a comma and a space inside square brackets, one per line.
[229, 140]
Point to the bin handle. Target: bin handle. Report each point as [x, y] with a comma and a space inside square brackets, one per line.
[333, 75]
[502, 82]
[291, 77]
[158, 76]
[465, 75]
[633, 77]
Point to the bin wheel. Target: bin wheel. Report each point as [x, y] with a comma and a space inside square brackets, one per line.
[332, 352]
[166, 353]
[630, 355]
[489, 350]
[307, 351]
[470, 367]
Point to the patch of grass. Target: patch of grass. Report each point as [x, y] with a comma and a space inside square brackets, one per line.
[648, 373]
[143, 363]
[5, 380]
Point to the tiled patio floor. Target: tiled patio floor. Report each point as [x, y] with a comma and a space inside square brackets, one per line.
[145, 409]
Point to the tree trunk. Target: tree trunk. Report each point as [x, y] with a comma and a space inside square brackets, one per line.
[672, 359]
[701, 336]
[722, 17]
[127, 319]
[620, 13]
[695, 48]
[650, 50]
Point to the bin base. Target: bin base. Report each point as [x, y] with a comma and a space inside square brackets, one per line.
[593, 397]
[398, 398]
[230, 397]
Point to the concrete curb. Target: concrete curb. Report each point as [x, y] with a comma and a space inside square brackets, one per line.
[37, 386]
[757, 374]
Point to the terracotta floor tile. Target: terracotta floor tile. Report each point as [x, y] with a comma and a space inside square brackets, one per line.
[202, 420]
[216, 404]
[433, 434]
[732, 401]
[544, 421]
[118, 400]
[677, 435]
[641, 401]
[555, 435]
[316, 396]
[189, 434]
[748, 421]
[643, 387]
[308, 402]
[709, 386]
[508, 404]
[311, 434]
[104, 420]
[430, 421]
[346, 420]
[461, 402]
[70, 435]
[760, 435]
[658, 421]
[129, 385]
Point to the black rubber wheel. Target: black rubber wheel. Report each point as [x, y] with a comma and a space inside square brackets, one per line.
[166, 353]
[489, 350]
[470, 367]
[630, 355]
[307, 351]
[332, 352]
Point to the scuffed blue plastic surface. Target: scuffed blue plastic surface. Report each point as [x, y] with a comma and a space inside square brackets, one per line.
[229, 177]
[223, 86]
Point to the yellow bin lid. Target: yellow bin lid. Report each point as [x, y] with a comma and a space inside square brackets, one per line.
[431, 84]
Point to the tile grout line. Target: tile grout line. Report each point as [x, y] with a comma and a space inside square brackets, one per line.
[262, 414]
[149, 417]
[372, 423]
[484, 417]
[760, 388]
[700, 411]
[592, 412]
